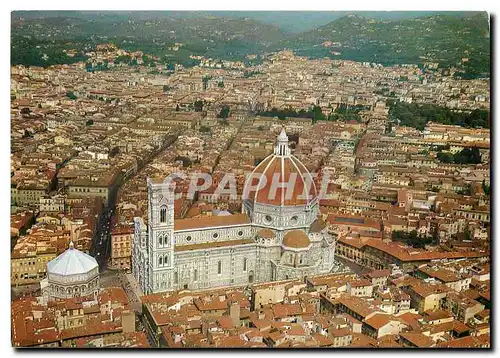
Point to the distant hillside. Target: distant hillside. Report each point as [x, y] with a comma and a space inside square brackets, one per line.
[446, 39]
[210, 36]
[301, 21]
[440, 38]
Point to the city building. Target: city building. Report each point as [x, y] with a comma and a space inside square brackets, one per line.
[71, 274]
[276, 237]
[121, 248]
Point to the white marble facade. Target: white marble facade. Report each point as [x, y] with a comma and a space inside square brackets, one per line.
[220, 251]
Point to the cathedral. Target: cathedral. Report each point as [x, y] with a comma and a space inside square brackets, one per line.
[278, 235]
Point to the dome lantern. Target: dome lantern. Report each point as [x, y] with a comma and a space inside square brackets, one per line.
[282, 149]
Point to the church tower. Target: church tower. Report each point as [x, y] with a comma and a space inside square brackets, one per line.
[160, 240]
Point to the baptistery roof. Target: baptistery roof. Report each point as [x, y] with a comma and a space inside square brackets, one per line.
[72, 262]
[284, 180]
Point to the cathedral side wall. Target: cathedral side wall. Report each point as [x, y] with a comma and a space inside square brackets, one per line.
[225, 266]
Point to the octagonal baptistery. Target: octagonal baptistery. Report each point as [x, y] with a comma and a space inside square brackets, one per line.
[280, 193]
[71, 274]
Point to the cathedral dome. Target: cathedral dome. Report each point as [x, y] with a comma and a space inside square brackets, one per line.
[284, 180]
[296, 239]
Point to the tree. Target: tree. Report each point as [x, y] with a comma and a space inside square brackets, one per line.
[486, 188]
[349, 113]
[71, 95]
[198, 106]
[411, 238]
[177, 108]
[417, 115]
[224, 112]
[333, 117]
[123, 59]
[205, 80]
[388, 128]
[318, 114]
[468, 156]
[220, 84]
[445, 157]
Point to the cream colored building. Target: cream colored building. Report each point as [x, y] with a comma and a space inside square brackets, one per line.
[121, 248]
[29, 266]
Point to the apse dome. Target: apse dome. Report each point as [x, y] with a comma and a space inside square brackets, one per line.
[296, 240]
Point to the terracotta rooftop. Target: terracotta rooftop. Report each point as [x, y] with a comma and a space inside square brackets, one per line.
[464, 342]
[288, 169]
[296, 239]
[212, 245]
[211, 222]
[266, 233]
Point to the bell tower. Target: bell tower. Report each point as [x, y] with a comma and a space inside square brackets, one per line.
[160, 245]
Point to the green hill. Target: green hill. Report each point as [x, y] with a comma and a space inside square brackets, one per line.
[446, 39]
[441, 38]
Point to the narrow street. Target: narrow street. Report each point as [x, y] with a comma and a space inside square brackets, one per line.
[116, 278]
[101, 244]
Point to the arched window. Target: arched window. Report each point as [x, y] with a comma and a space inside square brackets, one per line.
[245, 264]
[195, 274]
[165, 260]
[160, 261]
[176, 277]
[160, 240]
[219, 267]
[163, 214]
